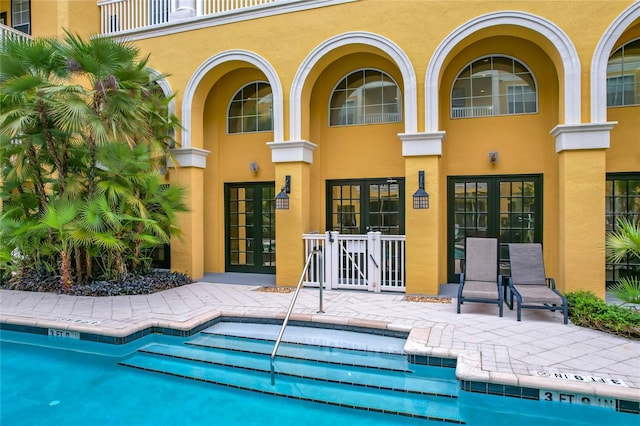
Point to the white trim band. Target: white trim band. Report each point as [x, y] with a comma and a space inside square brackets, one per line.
[291, 152]
[418, 144]
[583, 136]
[190, 157]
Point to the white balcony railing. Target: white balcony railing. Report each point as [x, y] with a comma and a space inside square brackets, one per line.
[471, 111]
[118, 16]
[10, 33]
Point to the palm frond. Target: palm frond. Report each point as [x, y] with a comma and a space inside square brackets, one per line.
[627, 289]
[624, 241]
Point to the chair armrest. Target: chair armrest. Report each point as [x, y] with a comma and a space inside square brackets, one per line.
[551, 283]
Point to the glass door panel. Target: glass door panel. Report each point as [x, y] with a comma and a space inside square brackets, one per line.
[384, 208]
[363, 205]
[622, 200]
[250, 227]
[345, 208]
[492, 206]
[268, 226]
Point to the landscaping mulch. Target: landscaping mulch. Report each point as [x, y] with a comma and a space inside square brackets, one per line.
[427, 299]
[151, 282]
[275, 289]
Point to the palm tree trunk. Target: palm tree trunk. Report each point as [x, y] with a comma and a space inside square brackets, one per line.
[60, 166]
[65, 269]
[79, 266]
[40, 191]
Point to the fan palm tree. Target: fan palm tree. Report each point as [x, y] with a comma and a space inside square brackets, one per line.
[621, 244]
[84, 128]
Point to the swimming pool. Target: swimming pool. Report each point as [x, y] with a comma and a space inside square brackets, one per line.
[49, 381]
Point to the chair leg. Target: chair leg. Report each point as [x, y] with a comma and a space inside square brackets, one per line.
[519, 312]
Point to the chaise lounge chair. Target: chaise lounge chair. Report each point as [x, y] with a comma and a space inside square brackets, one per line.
[480, 282]
[529, 283]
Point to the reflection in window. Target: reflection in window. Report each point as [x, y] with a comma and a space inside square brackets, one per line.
[251, 109]
[21, 15]
[623, 70]
[365, 97]
[346, 205]
[622, 200]
[494, 85]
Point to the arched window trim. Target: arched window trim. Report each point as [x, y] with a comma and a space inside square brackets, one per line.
[386, 74]
[234, 96]
[622, 46]
[513, 58]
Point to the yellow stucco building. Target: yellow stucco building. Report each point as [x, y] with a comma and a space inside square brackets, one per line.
[521, 118]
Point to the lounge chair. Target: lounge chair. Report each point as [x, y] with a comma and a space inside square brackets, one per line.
[529, 283]
[480, 282]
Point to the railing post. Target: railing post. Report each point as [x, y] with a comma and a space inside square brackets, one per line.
[332, 249]
[184, 9]
[320, 255]
[373, 262]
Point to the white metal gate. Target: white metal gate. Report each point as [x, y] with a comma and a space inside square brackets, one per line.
[372, 262]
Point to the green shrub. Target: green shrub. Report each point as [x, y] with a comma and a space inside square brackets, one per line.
[588, 310]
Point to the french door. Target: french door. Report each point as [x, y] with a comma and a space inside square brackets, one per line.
[507, 207]
[358, 206]
[250, 227]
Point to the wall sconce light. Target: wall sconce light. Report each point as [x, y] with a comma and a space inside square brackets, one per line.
[282, 199]
[493, 157]
[253, 166]
[421, 197]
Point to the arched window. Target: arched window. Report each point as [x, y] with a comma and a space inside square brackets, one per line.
[623, 75]
[494, 85]
[251, 109]
[366, 96]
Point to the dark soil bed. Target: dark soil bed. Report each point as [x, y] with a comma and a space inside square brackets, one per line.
[151, 282]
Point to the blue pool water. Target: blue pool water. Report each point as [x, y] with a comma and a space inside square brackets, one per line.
[47, 381]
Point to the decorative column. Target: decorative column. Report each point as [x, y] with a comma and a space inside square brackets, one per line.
[292, 159]
[423, 229]
[187, 251]
[581, 219]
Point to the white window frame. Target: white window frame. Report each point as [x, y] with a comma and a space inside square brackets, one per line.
[493, 110]
[244, 116]
[352, 112]
[21, 16]
[623, 73]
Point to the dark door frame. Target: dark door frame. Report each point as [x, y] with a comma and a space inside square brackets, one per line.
[365, 202]
[263, 255]
[494, 213]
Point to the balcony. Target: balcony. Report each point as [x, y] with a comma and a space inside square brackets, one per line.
[471, 111]
[132, 17]
[8, 33]
[117, 16]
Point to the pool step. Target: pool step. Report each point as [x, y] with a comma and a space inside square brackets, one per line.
[412, 381]
[301, 351]
[312, 336]
[336, 375]
[372, 399]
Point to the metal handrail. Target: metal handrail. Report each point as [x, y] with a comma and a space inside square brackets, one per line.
[293, 301]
